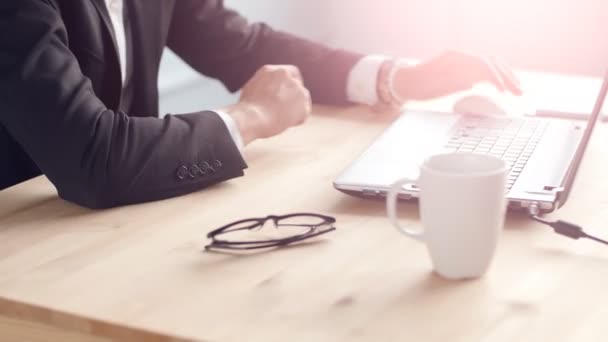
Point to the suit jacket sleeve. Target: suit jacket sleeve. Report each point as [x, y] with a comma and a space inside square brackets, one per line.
[94, 156]
[220, 43]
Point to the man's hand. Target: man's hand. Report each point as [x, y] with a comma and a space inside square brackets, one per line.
[273, 100]
[452, 72]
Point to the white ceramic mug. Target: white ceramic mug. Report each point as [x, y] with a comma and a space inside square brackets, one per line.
[462, 209]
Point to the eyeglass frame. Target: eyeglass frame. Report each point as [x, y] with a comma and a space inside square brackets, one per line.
[259, 222]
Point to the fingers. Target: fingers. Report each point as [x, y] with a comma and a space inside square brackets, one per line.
[279, 92]
[284, 72]
[292, 88]
[511, 82]
[294, 72]
[466, 70]
[493, 74]
[292, 92]
[306, 106]
[500, 74]
[300, 100]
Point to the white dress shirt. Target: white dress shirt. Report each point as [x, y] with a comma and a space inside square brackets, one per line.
[361, 84]
[115, 8]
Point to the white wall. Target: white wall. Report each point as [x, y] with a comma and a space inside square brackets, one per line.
[568, 36]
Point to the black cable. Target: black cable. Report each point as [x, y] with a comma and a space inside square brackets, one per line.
[597, 239]
[564, 228]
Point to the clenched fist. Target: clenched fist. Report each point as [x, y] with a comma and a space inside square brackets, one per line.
[273, 100]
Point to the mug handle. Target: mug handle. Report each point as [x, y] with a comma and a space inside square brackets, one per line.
[391, 208]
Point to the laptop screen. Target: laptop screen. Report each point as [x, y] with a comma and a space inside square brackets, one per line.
[580, 151]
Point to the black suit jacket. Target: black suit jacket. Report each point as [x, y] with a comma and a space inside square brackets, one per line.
[60, 91]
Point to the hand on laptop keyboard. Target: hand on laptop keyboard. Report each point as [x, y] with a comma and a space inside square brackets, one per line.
[453, 72]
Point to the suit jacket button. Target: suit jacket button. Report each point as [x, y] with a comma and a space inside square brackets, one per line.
[208, 167]
[202, 169]
[182, 172]
[194, 171]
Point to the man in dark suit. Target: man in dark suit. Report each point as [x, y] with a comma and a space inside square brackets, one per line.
[79, 98]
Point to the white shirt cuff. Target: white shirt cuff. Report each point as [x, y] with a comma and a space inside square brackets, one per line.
[362, 80]
[233, 129]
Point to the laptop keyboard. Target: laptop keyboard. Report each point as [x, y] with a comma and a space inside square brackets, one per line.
[511, 139]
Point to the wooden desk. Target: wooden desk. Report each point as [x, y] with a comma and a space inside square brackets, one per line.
[138, 273]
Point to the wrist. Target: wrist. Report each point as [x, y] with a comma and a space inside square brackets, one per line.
[245, 117]
[389, 81]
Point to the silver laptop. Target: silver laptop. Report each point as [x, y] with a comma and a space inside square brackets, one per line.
[543, 154]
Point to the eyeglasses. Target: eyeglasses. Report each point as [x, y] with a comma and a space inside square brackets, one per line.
[246, 234]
